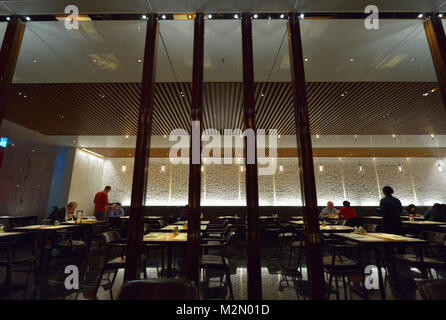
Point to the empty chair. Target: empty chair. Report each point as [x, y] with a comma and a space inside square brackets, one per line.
[159, 289]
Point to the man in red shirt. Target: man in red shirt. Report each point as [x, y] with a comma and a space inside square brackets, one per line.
[347, 212]
[100, 203]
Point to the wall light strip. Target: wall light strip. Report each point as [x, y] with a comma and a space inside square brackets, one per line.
[92, 153]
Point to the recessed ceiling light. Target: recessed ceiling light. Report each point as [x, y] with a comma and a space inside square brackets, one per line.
[302, 16]
[144, 17]
[235, 16]
[432, 135]
[393, 135]
[255, 16]
[126, 136]
[317, 136]
[282, 16]
[35, 60]
[139, 60]
[307, 59]
[352, 59]
[420, 16]
[20, 93]
[440, 15]
[163, 16]
[94, 60]
[412, 59]
[189, 16]
[24, 96]
[8, 18]
[425, 94]
[262, 94]
[209, 16]
[28, 18]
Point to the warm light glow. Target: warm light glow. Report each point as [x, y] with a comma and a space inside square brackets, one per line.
[432, 135]
[400, 168]
[439, 168]
[317, 136]
[281, 168]
[241, 168]
[123, 168]
[321, 168]
[360, 168]
[394, 136]
[92, 153]
[202, 168]
[163, 168]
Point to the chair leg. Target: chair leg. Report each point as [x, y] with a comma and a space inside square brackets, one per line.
[329, 285]
[337, 286]
[228, 280]
[344, 285]
[112, 282]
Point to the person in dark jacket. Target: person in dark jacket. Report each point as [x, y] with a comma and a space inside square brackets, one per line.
[436, 213]
[412, 209]
[391, 209]
[185, 213]
[64, 214]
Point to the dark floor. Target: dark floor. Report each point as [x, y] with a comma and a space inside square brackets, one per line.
[279, 281]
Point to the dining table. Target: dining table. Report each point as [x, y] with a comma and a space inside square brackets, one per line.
[169, 239]
[376, 241]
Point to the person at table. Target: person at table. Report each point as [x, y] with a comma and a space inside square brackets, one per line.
[329, 211]
[116, 211]
[346, 212]
[391, 210]
[64, 214]
[101, 203]
[412, 210]
[185, 213]
[435, 213]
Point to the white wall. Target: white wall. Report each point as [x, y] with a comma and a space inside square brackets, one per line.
[419, 182]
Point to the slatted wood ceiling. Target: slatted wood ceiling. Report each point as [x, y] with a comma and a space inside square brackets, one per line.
[112, 108]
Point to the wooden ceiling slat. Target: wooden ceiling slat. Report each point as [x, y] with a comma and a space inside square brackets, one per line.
[359, 112]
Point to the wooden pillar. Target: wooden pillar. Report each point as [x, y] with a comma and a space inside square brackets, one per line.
[140, 173]
[9, 53]
[252, 186]
[312, 236]
[437, 43]
[193, 253]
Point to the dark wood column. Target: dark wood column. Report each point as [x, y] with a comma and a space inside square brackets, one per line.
[193, 219]
[9, 53]
[312, 236]
[437, 43]
[140, 173]
[252, 185]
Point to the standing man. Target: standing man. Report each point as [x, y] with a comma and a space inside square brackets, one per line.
[100, 203]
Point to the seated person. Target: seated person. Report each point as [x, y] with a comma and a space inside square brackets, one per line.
[329, 211]
[64, 214]
[346, 212]
[412, 209]
[185, 213]
[435, 213]
[116, 211]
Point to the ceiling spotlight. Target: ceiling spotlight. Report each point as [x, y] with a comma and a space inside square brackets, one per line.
[282, 16]
[241, 169]
[432, 135]
[356, 136]
[123, 168]
[144, 17]
[281, 168]
[35, 60]
[189, 16]
[420, 16]
[412, 59]
[262, 94]
[425, 94]
[165, 136]
[163, 17]
[301, 16]
[307, 59]
[94, 60]
[317, 136]
[360, 168]
[163, 168]
[352, 59]
[28, 19]
[126, 136]
[24, 96]
[139, 60]
[321, 168]
[8, 18]
[440, 15]
[235, 16]
[279, 136]
[439, 168]
[400, 169]
[255, 16]
[209, 16]
[202, 168]
[394, 136]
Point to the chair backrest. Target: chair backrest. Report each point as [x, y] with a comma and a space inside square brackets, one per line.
[159, 289]
[433, 290]
[371, 227]
[111, 236]
[433, 237]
